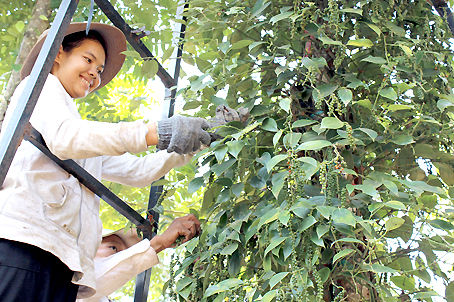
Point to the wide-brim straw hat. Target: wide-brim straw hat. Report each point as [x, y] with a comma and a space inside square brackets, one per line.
[114, 39]
[128, 236]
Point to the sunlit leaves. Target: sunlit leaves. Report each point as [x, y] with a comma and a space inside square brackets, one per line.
[222, 286]
[360, 43]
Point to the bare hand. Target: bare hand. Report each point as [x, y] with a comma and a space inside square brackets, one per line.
[187, 227]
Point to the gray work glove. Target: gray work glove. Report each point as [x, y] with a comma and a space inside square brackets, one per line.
[226, 115]
[182, 134]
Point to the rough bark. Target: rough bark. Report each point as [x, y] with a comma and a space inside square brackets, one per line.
[35, 27]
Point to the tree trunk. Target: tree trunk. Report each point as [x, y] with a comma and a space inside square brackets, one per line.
[35, 27]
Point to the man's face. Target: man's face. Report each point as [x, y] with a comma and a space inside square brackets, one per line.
[110, 245]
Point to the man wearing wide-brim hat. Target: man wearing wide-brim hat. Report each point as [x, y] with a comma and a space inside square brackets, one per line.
[123, 254]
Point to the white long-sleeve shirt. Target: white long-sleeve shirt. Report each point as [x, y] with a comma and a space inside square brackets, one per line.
[43, 205]
[114, 271]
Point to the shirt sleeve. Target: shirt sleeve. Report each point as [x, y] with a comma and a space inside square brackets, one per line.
[131, 170]
[114, 271]
[68, 136]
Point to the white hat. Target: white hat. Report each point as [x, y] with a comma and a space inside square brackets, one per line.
[128, 235]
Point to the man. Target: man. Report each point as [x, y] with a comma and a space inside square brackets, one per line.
[122, 254]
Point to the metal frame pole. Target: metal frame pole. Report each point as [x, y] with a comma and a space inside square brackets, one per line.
[14, 131]
[85, 178]
[19, 127]
[143, 279]
[134, 40]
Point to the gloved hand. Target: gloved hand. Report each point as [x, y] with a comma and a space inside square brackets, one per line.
[182, 134]
[226, 115]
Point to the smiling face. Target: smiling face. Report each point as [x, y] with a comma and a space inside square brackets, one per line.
[79, 70]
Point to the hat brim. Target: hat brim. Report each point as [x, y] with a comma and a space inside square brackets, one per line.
[115, 44]
[128, 236]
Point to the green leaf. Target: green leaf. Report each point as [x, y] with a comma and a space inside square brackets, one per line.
[218, 169]
[229, 249]
[222, 286]
[375, 60]
[240, 44]
[389, 93]
[403, 282]
[397, 107]
[195, 184]
[291, 139]
[259, 7]
[132, 54]
[427, 295]
[395, 29]
[360, 43]
[378, 268]
[269, 296]
[352, 10]
[277, 137]
[313, 145]
[375, 28]
[449, 292]
[324, 274]
[442, 104]
[349, 240]
[285, 104]
[275, 241]
[322, 229]
[442, 224]
[269, 124]
[281, 16]
[314, 63]
[150, 68]
[328, 41]
[235, 147]
[19, 26]
[394, 204]
[220, 152]
[342, 254]
[343, 216]
[315, 239]
[307, 223]
[277, 278]
[268, 217]
[394, 223]
[331, 123]
[303, 123]
[284, 217]
[345, 95]
[237, 189]
[372, 134]
[406, 49]
[255, 44]
[403, 140]
[277, 181]
[323, 91]
[326, 211]
[274, 161]
[183, 282]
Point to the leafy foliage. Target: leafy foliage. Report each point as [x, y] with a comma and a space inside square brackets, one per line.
[340, 186]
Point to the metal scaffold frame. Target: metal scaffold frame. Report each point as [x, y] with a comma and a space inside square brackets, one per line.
[19, 127]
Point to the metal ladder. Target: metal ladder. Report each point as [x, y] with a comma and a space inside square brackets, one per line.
[19, 127]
